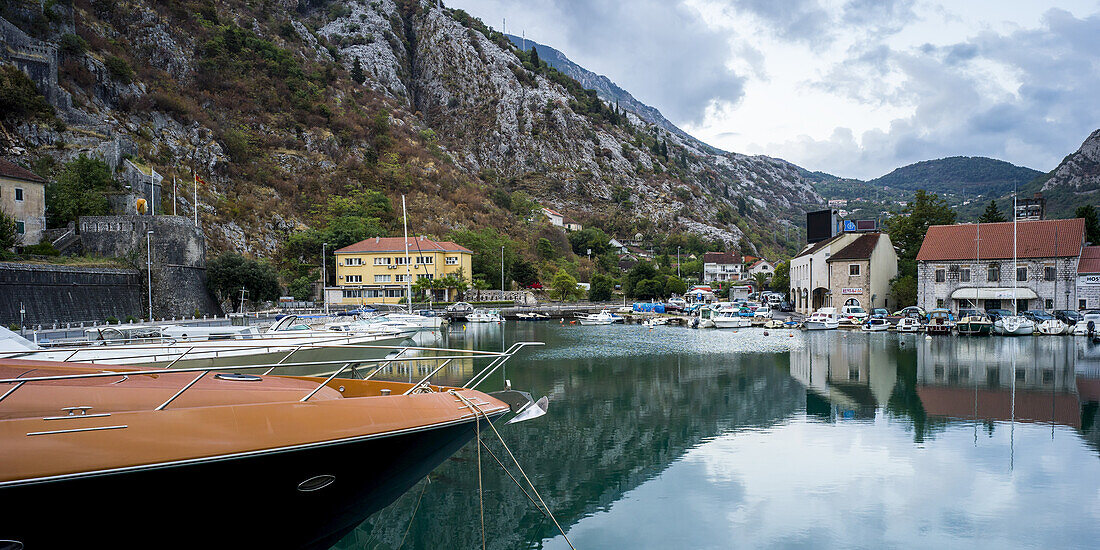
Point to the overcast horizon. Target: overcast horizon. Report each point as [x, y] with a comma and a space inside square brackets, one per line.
[855, 88]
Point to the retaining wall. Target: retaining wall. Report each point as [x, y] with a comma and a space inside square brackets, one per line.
[65, 294]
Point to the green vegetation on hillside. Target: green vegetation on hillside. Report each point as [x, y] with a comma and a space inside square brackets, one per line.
[968, 176]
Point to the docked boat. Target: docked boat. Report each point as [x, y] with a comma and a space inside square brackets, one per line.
[485, 316]
[1051, 327]
[908, 324]
[655, 321]
[940, 321]
[604, 317]
[532, 316]
[730, 318]
[1013, 325]
[425, 319]
[875, 324]
[973, 323]
[307, 458]
[823, 319]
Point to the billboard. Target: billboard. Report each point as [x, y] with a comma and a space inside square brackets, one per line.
[820, 225]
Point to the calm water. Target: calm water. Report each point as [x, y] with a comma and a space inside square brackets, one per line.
[680, 438]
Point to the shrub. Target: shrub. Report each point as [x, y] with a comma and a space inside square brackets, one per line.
[73, 45]
[19, 98]
[44, 248]
[80, 190]
[119, 69]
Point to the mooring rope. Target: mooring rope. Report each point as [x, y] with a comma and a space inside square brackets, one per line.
[477, 411]
[427, 481]
[516, 481]
[480, 498]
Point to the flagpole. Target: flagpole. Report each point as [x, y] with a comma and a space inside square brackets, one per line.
[408, 268]
[174, 194]
[196, 205]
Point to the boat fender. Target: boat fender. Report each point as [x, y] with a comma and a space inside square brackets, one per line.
[765, 333]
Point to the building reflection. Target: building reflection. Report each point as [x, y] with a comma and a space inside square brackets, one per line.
[846, 375]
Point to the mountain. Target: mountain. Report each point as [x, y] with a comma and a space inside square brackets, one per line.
[964, 176]
[1074, 182]
[296, 111]
[605, 88]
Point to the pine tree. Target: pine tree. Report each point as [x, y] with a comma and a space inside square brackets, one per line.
[992, 214]
[357, 72]
[535, 59]
[1092, 224]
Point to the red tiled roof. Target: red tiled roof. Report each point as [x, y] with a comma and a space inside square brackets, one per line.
[819, 245]
[859, 249]
[725, 258]
[14, 171]
[1090, 260]
[757, 262]
[397, 244]
[1035, 239]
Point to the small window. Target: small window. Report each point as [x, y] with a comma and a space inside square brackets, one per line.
[1021, 375]
[1021, 274]
[1082, 304]
[20, 227]
[401, 260]
[853, 270]
[452, 260]
[1048, 304]
[964, 275]
[428, 276]
[382, 278]
[402, 279]
[18, 194]
[941, 275]
[939, 302]
[1049, 273]
[994, 273]
[382, 261]
[354, 278]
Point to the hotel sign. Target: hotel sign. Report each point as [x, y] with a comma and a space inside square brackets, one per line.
[851, 291]
[1089, 280]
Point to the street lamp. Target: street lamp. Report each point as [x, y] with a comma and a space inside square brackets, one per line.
[324, 277]
[149, 268]
[678, 263]
[502, 273]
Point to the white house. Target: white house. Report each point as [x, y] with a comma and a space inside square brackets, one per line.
[721, 266]
[761, 266]
[556, 218]
[810, 272]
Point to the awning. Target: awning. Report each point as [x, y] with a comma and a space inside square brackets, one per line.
[993, 293]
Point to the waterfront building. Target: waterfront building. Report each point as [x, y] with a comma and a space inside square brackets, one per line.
[970, 265]
[23, 197]
[721, 266]
[1088, 279]
[860, 273]
[809, 272]
[760, 266]
[376, 270]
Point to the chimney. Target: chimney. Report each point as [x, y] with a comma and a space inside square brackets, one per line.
[376, 239]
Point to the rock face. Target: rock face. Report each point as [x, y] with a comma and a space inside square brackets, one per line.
[467, 113]
[1080, 171]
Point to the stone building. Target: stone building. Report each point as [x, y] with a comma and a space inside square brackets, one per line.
[860, 273]
[23, 197]
[809, 272]
[1088, 279]
[971, 265]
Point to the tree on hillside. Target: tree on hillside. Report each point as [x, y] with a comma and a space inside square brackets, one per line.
[992, 214]
[357, 72]
[564, 286]
[602, 286]
[227, 274]
[641, 271]
[80, 190]
[1092, 224]
[535, 58]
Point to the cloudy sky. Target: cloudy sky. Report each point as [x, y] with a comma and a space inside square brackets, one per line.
[851, 87]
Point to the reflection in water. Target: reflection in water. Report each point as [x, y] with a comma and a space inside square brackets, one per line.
[670, 437]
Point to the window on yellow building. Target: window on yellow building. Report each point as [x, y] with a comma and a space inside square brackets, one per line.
[354, 278]
[452, 260]
[381, 278]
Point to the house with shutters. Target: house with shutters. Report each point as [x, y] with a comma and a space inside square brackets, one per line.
[971, 265]
[23, 198]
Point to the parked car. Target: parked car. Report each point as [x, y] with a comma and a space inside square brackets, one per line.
[460, 307]
[535, 286]
[913, 312]
[1036, 315]
[764, 312]
[786, 307]
[677, 304]
[879, 313]
[1068, 316]
[855, 314]
[995, 314]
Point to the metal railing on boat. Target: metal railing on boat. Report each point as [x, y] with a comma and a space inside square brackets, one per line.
[497, 360]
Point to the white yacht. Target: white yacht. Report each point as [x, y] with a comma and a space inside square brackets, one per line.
[1013, 325]
[485, 316]
[908, 324]
[823, 319]
[875, 324]
[604, 317]
[730, 318]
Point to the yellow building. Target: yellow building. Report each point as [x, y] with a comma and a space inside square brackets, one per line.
[23, 197]
[377, 271]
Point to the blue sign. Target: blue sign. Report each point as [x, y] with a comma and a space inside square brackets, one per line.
[849, 225]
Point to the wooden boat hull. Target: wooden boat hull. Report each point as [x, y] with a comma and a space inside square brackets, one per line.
[250, 501]
[975, 329]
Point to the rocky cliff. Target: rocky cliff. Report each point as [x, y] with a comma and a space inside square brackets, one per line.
[1080, 171]
[280, 105]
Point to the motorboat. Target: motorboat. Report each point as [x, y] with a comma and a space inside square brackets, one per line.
[908, 324]
[1013, 325]
[940, 321]
[1046, 323]
[307, 458]
[823, 319]
[1089, 325]
[973, 323]
[485, 316]
[875, 324]
[704, 317]
[425, 319]
[532, 316]
[655, 321]
[604, 317]
[730, 318]
[378, 323]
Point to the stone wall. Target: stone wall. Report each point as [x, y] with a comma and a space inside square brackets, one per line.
[519, 297]
[65, 294]
[1061, 292]
[178, 257]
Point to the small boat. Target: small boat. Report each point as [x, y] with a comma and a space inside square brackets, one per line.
[604, 317]
[704, 317]
[655, 321]
[308, 458]
[485, 316]
[823, 319]
[730, 318]
[875, 324]
[775, 323]
[940, 321]
[973, 323]
[1013, 325]
[532, 316]
[1051, 327]
[908, 324]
